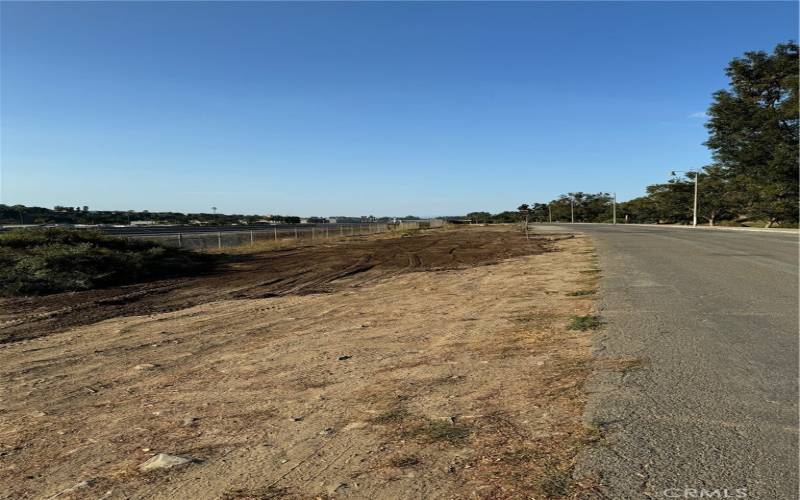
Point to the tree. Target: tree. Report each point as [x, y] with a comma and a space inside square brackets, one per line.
[640, 210]
[479, 217]
[506, 217]
[672, 201]
[716, 198]
[586, 207]
[753, 132]
[20, 209]
[539, 212]
[561, 208]
[525, 213]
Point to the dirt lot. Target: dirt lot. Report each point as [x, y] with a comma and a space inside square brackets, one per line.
[286, 271]
[429, 366]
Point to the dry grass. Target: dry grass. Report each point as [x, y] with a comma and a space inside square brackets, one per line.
[436, 400]
[267, 245]
[285, 241]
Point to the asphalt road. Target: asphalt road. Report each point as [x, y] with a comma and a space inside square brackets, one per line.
[714, 317]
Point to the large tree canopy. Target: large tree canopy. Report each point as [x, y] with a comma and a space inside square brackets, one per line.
[753, 135]
[753, 132]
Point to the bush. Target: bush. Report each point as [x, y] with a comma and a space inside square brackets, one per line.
[49, 260]
[584, 323]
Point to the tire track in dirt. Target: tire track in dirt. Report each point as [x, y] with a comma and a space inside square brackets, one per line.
[298, 271]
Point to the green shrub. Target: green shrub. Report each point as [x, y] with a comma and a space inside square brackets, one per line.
[48, 260]
[584, 323]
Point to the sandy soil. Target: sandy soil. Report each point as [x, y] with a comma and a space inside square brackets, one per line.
[442, 368]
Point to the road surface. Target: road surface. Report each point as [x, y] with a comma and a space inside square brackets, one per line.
[714, 317]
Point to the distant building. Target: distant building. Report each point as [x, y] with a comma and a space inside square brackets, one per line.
[331, 220]
[142, 222]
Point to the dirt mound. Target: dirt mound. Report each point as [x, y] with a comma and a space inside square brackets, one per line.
[300, 270]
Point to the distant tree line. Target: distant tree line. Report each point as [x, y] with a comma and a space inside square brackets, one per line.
[20, 214]
[586, 207]
[753, 137]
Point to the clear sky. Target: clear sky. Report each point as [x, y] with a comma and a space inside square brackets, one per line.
[360, 108]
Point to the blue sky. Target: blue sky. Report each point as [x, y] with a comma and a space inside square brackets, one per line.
[360, 108]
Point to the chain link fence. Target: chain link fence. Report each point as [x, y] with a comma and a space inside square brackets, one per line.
[196, 240]
[217, 240]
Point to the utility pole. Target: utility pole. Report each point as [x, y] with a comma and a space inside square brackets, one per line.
[694, 210]
[614, 209]
[572, 210]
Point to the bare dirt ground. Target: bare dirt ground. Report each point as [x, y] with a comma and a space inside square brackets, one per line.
[429, 366]
[295, 270]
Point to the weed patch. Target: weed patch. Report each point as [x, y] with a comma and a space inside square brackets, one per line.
[442, 430]
[38, 261]
[405, 461]
[584, 323]
[395, 415]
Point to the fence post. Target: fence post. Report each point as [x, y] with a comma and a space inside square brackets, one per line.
[276, 233]
[251, 237]
[180, 243]
[341, 230]
[295, 233]
[326, 233]
[219, 240]
[313, 233]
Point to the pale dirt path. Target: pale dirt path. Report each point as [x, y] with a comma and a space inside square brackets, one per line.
[279, 414]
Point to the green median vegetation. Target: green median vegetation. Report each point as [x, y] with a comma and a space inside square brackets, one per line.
[38, 261]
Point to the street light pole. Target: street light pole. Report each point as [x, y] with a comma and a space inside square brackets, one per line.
[572, 210]
[614, 209]
[694, 211]
[696, 180]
